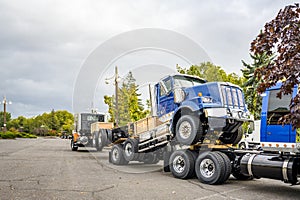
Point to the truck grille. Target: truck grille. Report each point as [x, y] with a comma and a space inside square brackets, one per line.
[232, 97]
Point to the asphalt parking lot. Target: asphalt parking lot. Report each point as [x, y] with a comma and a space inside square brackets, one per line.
[48, 169]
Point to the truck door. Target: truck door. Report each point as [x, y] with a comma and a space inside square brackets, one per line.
[276, 108]
[165, 97]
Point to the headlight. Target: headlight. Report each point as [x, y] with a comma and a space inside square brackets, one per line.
[215, 112]
[179, 95]
[207, 99]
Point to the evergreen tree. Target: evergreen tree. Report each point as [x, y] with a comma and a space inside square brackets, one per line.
[130, 107]
[253, 99]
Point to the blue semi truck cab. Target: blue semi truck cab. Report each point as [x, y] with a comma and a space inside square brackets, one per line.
[274, 136]
[197, 109]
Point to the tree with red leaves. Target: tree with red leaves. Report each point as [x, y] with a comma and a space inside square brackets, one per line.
[281, 38]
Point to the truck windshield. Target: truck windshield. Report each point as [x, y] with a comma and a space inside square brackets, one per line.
[92, 117]
[186, 81]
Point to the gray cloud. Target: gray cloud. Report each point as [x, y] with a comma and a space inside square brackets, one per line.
[44, 43]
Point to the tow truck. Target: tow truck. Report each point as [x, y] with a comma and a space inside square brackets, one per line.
[86, 132]
[195, 129]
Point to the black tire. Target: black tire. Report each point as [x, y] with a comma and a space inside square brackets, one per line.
[116, 155]
[182, 164]
[232, 138]
[150, 158]
[95, 141]
[104, 137]
[130, 149]
[101, 140]
[109, 135]
[166, 158]
[210, 168]
[228, 166]
[168, 150]
[195, 156]
[74, 148]
[188, 130]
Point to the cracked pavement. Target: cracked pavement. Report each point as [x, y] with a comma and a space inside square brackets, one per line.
[47, 169]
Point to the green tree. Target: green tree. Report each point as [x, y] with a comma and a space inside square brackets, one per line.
[108, 100]
[65, 120]
[8, 118]
[210, 72]
[53, 122]
[281, 37]
[130, 107]
[253, 98]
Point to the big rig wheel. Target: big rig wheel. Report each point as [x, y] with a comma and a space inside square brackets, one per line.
[211, 168]
[228, 167]
[188, 130]
[102, 140]
[151, 158]
[182, 164]
[116, 155]
[130, 149]
[73, 147]
[232, 138]
[95, 141]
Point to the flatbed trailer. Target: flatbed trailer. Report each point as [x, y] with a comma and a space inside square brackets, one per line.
[212, 163]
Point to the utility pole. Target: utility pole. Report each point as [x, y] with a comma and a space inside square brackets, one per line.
[116, 91]
[116, 81]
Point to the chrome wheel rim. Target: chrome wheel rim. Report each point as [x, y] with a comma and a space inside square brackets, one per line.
[128, 149]
[179, 164]
[185, 130]
[115, 154]
[207, 168]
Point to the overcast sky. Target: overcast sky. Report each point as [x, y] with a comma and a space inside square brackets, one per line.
[43, 44]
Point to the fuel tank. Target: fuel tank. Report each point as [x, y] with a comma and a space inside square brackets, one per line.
[270, 166]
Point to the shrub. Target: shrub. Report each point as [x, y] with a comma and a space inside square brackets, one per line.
[13, 135]
[7, 135]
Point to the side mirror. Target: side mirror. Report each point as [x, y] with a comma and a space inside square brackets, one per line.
[250, 127]
[179, 95]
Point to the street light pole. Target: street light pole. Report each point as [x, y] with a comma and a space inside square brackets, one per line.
[4, 113]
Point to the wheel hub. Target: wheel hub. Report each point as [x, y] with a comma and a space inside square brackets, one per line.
[207, 168]
[128, 149]
[179, 164]
[185, 129]
[115, 154]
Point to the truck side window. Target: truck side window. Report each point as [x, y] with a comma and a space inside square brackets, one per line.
[277, 107]
[162, 90]
[168, 85]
